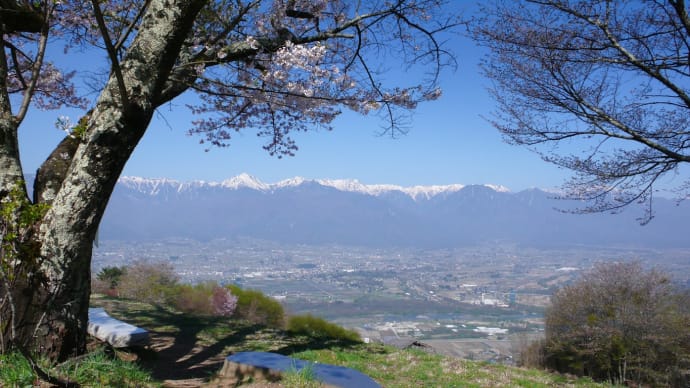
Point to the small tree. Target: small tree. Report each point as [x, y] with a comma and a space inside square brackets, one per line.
[595, 86]
[620, 323]
[223, 301]
[111, 275]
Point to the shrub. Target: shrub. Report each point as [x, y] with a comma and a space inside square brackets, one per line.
[205, 299]
[154, 283]
[101, 287]
[193, 299]
[157, 283]
[530, 353]
[319, 328]
[620, 323]
[257, 307]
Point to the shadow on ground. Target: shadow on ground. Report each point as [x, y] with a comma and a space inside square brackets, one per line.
[185, 347]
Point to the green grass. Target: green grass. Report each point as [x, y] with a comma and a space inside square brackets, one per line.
[415, 368]
[303, 378]
[96, 369]
[218, 337]
[100, 369]
[15, 371]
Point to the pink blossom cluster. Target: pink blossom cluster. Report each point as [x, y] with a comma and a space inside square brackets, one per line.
[223, 302]
[74, 21]
[53, 89]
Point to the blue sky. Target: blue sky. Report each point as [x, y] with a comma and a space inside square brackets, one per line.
[448, 142]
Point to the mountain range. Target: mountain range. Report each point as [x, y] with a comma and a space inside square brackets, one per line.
[307, 211]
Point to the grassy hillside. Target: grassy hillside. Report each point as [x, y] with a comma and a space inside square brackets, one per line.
[187, 350]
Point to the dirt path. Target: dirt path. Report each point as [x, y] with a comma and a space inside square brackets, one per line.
[180, 354]
[179, 361]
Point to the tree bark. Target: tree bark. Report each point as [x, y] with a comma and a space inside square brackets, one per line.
[57, 318]
[10, 165]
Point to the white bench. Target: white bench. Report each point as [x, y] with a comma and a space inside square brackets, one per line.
[115, 332]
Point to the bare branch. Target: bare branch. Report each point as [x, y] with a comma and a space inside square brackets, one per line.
[112, 52]
[35, 70]
[125, 35]
[593, 71]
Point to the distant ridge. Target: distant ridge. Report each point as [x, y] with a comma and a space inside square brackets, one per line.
[152, 185]
[318, 211]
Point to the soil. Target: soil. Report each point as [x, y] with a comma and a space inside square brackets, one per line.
[180, 362]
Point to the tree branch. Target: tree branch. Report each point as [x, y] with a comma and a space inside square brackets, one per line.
[112, 53]
[35, 70]
[17, 17]
[131, 27]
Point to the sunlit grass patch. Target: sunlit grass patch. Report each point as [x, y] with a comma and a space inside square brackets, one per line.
[95, 369]
[416, 368]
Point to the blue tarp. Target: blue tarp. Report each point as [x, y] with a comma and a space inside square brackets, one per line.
[338, 376]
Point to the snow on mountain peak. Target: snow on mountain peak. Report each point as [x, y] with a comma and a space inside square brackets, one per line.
[416, 192]
[353, 185]
[155, 185]
[430, 191]
[291, 182]
[150, 186]
[499, 188]
[244, 180]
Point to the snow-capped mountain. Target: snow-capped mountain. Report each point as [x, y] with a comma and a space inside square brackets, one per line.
[350, 212]
[246, 181]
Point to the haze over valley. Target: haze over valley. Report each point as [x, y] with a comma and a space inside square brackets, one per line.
[350, 213]
[466, 269]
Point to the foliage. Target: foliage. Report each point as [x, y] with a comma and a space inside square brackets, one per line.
[192, 299]
[256, 307]
[111, 275]
[621, 323]
[205, 299]
[320, 328]
[149, 282]
[158, 284]
[18, 219]
[605, 79]
[529, 354]
[18, 257]
[223, 302]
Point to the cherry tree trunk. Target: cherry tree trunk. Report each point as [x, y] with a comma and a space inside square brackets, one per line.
[56, 299]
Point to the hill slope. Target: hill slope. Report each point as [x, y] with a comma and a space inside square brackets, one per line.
[186, 350]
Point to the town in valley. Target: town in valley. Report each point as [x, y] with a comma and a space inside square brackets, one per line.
[479, 302]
